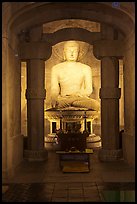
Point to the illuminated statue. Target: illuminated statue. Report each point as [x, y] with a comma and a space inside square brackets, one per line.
[71, 81]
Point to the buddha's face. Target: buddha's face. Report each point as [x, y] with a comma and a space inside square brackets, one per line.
[71, 52]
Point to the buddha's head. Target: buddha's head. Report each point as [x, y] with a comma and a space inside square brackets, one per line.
[71, 51]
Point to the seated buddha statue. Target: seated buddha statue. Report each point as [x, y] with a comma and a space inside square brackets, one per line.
[71, 81]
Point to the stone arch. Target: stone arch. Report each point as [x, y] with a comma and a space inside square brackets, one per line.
[65, 34]
[47, 12]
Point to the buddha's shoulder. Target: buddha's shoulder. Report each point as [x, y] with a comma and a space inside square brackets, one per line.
[58, 66]
[84, 66]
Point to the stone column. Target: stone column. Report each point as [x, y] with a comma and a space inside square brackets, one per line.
[35, 95]
[82, 125]
[85, 121]
[109, 50]
[109, 94]
[61, 120]
[35, 52]
[64, 125]
[91, 129]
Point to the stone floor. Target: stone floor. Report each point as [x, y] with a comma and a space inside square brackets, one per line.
[45, 182]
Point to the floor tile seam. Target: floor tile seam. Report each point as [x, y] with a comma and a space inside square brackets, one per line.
[52, 192]
[83, 191]
[86, 197]
[101, 196]
[56, 183]
[82, 195]
[73, 197]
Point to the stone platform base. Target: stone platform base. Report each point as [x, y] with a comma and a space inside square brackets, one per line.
[93, 141]
[33, 155]
[110, 155]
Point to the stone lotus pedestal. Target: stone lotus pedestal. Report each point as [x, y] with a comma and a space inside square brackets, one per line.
[73, 114]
